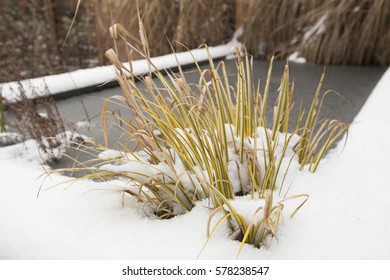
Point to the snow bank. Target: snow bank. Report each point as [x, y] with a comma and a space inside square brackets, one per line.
[143, 171]
[344, 218]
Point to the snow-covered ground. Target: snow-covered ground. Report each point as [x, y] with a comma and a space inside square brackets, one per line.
[344, 218]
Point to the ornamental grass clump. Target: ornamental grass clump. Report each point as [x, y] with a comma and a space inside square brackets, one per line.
[209, 140]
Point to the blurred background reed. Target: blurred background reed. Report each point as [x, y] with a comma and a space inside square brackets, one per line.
[349, 32]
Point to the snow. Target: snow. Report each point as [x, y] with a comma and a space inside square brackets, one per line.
[316, 29]
[344, 217]
[99, 75]
[294, 57]
[140, 169]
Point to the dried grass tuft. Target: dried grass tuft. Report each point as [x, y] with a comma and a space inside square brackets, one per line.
[270, 26]
[40, 120]
[353, 33]
[205, 22]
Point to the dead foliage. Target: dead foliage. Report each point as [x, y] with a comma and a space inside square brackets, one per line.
[353, 33]
[38, 119]
[271, 26]
[32, 34]
[205, 22]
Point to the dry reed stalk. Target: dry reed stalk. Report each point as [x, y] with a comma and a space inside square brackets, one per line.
[242, 7]
[352, 32]
[77, 40]
[159, 19]
[271, 26]
[204, 22]
[108, 13]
